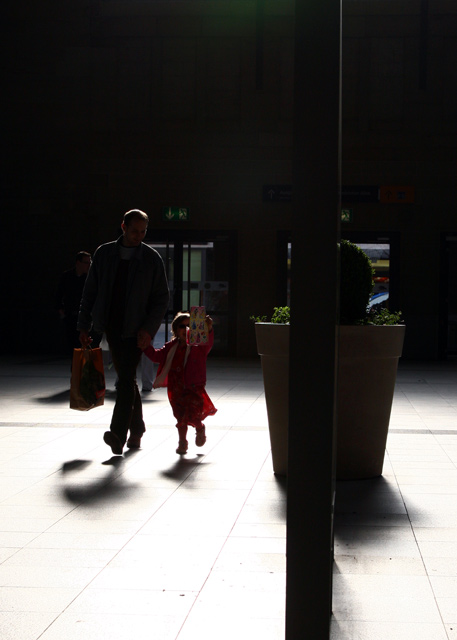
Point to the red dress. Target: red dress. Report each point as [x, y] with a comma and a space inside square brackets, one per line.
[191, 404]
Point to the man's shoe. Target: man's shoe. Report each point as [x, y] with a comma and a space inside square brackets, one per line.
[134, 442]
[182, 447]
[200, 438]
[113, 441]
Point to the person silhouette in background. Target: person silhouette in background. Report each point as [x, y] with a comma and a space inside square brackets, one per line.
[68, 298]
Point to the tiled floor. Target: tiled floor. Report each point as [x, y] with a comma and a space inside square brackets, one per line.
[396, 536]
[151, 545]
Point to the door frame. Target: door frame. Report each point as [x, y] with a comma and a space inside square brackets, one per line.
[180, 239]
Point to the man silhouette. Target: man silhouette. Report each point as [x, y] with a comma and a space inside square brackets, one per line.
[126, 296]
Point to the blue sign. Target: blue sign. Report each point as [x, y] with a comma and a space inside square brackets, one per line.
[360, 193]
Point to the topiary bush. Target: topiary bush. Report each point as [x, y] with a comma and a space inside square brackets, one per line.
[356, 283]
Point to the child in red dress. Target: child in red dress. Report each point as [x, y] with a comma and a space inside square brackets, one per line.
[182, 368]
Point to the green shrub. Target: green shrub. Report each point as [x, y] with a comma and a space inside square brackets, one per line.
[356, 283]
[384, 316]
[281, 315]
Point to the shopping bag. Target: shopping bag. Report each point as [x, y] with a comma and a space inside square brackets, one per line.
[87, 388]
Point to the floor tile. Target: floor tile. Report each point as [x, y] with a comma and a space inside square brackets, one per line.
[451, 628]
[27, 557]
[133, 602]
[25, 625]
[380, 630]
[389, 565]
[37, 599]
[447, 607]
[77, 626]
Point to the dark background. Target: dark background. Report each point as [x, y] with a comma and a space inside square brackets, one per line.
[109, 106]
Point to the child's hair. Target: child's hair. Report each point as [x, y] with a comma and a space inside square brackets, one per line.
[181, 315]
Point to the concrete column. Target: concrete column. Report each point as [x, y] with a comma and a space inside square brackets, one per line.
[314, 308]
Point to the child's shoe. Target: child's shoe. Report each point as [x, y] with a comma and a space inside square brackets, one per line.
[182, 447]
[200, 437]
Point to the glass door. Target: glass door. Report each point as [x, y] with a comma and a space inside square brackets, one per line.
[383, 250]
[201, 272]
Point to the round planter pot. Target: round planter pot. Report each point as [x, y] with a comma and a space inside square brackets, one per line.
[273, 348]
[367, 370]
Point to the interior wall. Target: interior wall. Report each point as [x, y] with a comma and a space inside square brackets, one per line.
[112, 106]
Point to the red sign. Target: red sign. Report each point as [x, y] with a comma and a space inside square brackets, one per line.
[396, 195]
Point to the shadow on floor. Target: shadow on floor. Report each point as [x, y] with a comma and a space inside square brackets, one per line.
[364, 496]
[74, 465]
[182, 468]
[281, 481]
[97, 490]
[58, 398]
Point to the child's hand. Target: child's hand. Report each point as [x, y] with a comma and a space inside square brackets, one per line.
[209, 323]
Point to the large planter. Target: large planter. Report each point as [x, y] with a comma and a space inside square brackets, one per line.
[367, 370]
[273, 348]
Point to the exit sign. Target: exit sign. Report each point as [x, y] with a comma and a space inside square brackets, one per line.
[347, 215]
[175, 213]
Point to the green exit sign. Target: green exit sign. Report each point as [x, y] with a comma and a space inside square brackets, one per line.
[347, 215]
[175, 213]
